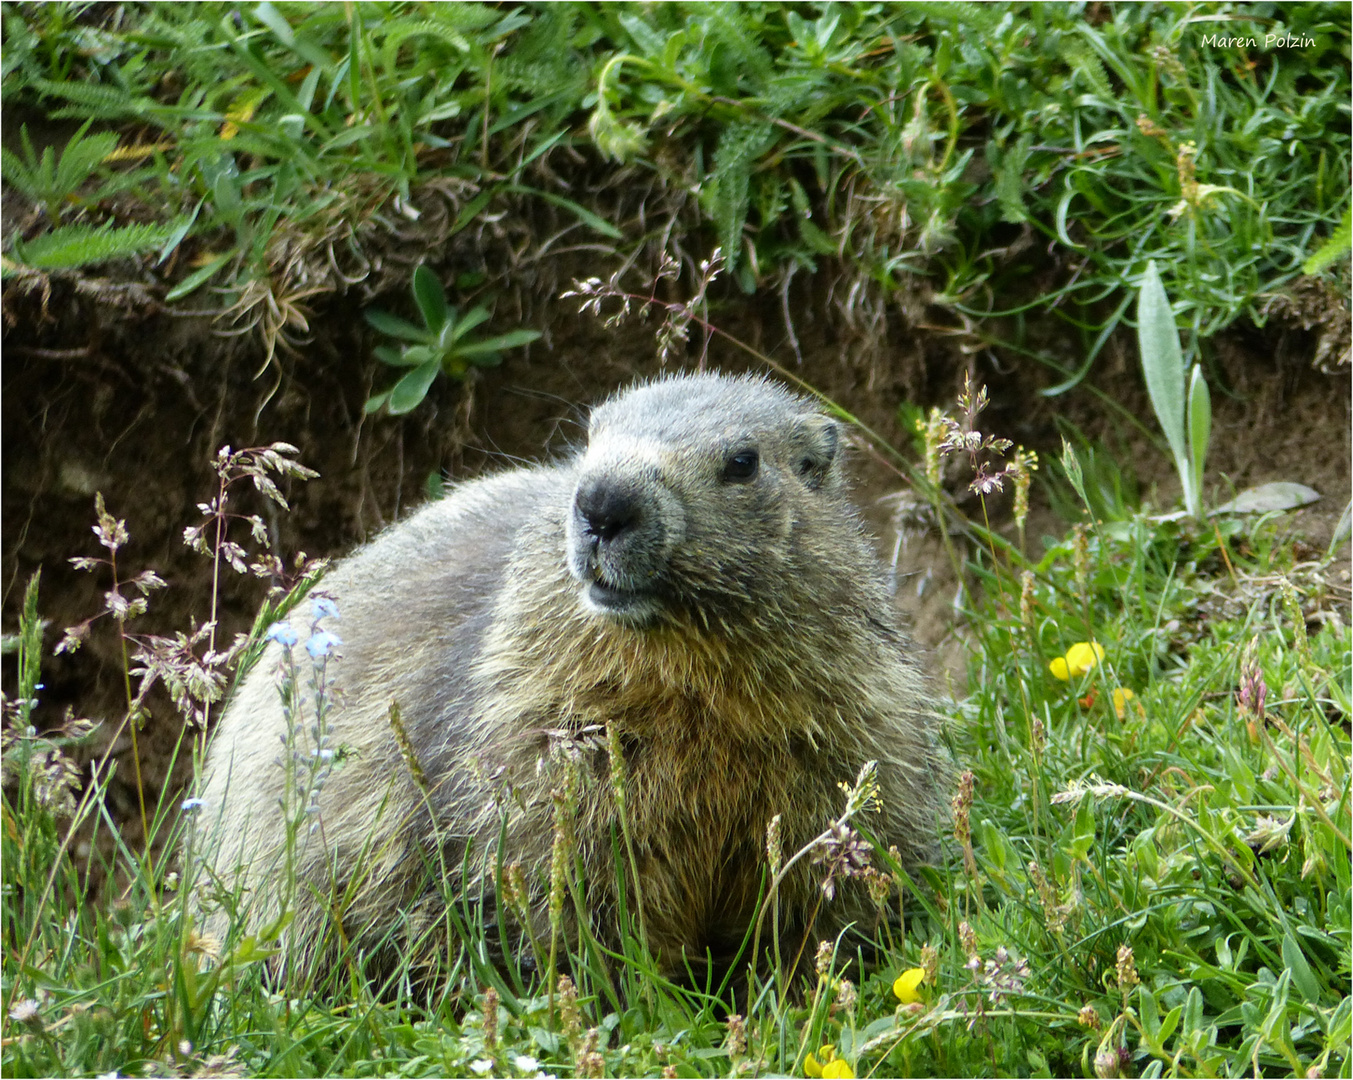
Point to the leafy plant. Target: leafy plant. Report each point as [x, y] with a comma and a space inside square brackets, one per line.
[1187, 422]
[70, 246]
[1335, 248]
[52, 179]
[440, 346]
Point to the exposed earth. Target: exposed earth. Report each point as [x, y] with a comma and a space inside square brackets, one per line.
[107, 392]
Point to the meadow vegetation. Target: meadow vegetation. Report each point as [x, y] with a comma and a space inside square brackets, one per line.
[1146, 867]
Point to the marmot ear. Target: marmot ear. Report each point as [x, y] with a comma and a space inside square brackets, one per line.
[822, 442]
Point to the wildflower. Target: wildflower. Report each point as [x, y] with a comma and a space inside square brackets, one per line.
[322, 607]
[774, 851]
[962, 804]
[25, 1011]
[967, 938]
[1023, 466]
[1026, 599]
[930, 962]
[1080, 558]
[845, 853]
[1121, 696]
[1269, 833]
[188, 806]
[1108, 1060]
[846, 995]
[570, 1014]
[933, 431]
[1126, 970]
[490, 1018]
[322, 644]
[737, 1036]
[1079, 659]
[525, 1063]
[1004, 976]
[907, 985]
[1088, 1017]
[481, 1067]
[826, 1064]
[1253, 691]
[590, 1061]
[282, 633]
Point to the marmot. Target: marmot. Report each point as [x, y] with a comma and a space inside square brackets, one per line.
[693, 583]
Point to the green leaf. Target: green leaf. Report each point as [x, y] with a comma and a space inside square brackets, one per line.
[511, 340]
[1302, 977]
[1171, 1021]
[464, 325]
[1200, 433]
[1163, 364]
[71, 246]
[1335, 248]
[585, 215]
[1149, 1015]
[395, 326]
[431, 299]
[176, 237]
[398, 357]
[410, 391]
[471, 210]
[199, 277]
[375, 404]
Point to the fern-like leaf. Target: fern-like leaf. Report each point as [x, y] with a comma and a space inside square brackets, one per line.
[73, 246]
[1335, 248]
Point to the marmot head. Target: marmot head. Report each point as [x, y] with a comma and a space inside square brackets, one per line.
[699, 497]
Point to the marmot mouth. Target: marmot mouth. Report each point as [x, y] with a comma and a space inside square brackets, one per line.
[628, 604]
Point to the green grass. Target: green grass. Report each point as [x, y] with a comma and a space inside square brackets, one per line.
[917, 145]
[1162, 887]
[905, 143]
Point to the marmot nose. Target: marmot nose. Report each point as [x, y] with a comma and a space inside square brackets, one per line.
[607, 510]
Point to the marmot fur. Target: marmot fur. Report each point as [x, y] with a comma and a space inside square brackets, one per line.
[695, 584]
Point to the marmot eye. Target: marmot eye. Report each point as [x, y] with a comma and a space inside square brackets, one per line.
[741, 466]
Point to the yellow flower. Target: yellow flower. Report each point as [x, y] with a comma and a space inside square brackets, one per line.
[907, 985]
[1084, 655]
[1079, 659]
[1121, 696]
[830, 1067]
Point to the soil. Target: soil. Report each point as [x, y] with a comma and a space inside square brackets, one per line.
[106, 392]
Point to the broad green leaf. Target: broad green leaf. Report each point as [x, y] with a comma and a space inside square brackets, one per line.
[466, 323]
[1302, 977]
[427, 291]
[511, 340]
[388, 354]
[1163, 364]
[395, 326]
[410, 391]
[1149, 1015]
[1171, 1021]
[375, 404]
